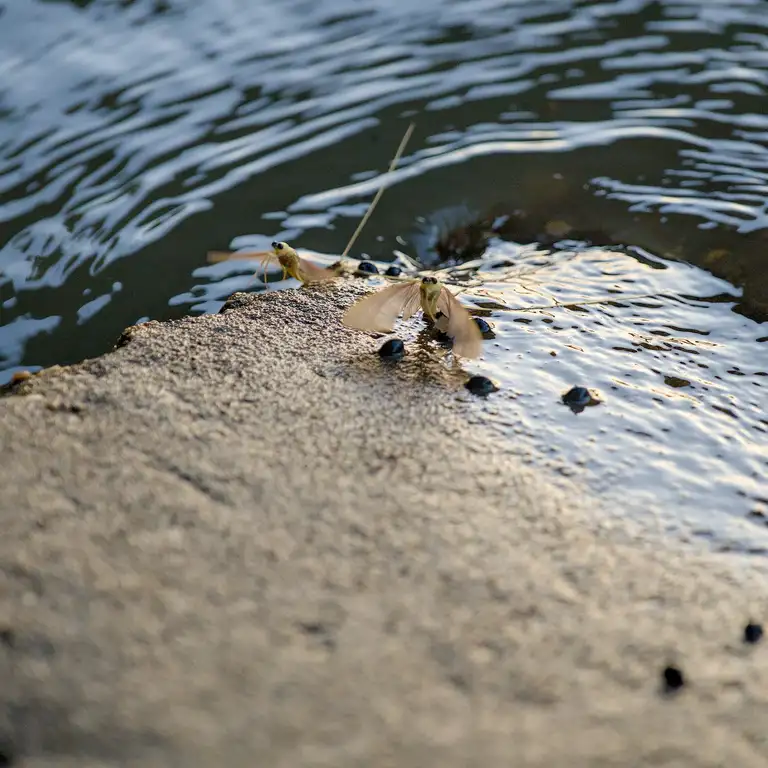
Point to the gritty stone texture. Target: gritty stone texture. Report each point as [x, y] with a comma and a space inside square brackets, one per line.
[243, 540]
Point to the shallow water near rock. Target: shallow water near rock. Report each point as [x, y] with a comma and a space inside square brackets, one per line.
[681, 378]
[138, 136]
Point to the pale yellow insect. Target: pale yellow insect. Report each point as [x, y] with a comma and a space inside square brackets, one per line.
[289, 260]
[379, 311]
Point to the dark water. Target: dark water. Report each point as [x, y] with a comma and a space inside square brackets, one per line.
[136, 136]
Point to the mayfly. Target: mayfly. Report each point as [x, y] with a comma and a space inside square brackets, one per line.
[379, 311]
[292, 264]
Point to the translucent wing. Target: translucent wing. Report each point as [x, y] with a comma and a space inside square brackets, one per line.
[312, 273]
[467, 339]
[412, 306]
[260, 256]
[379, 311]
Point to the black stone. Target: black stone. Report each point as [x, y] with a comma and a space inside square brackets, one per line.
[392, 349]
[393, 271]
[480, 385]
[753, 633]
[369, 267]
[673, 679]
[577, 396]
[483, 326]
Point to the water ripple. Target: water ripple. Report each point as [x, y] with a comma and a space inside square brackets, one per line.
[137, 136]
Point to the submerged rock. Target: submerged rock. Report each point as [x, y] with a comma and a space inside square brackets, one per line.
[393, 271]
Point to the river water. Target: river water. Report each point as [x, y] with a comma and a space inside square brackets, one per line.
[136, 136]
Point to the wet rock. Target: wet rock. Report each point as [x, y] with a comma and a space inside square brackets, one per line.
[753, 633]
[393, 271]
[485, 328]
[468, 240]
[578, 398]
[673, 679]
[367, 268]
[392, 350]
[481, 386]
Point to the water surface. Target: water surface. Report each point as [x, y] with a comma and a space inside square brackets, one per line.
[136, 136]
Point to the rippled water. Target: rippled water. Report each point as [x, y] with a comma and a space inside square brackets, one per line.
[682, 425]
[136, 136]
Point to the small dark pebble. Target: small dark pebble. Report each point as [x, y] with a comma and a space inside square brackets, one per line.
[393, 271]
[577, 396]
[369, 267]
[482, 325]
[753, 633]
[673, 679]
[7, 637]
[392, 349]
[480, 385]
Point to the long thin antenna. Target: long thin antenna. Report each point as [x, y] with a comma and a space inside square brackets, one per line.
[381, 188]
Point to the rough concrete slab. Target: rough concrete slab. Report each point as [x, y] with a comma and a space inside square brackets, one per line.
[240, 540]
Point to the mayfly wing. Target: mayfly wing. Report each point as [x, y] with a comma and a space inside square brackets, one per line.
[379, 311]
[312, 273]
[412, 306]
[217, 256]
[467, 339]
[263, 257]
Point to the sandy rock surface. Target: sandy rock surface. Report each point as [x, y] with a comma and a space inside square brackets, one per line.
[242, 540]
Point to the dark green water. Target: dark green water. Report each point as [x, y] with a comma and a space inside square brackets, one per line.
[136, 136]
